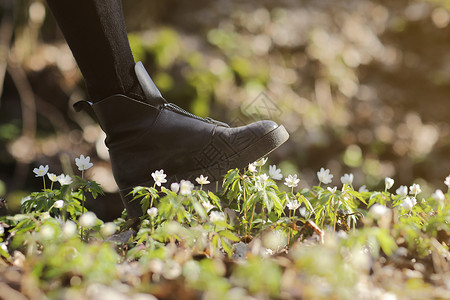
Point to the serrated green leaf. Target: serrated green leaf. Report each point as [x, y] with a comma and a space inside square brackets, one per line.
[215, 199]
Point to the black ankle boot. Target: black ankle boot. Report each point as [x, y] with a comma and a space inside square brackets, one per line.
[144, 137]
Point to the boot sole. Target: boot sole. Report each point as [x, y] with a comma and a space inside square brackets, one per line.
[262, 147]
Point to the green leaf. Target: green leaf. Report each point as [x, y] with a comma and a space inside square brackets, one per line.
[215, 199]
[223, 224]
[5, 254]
[386, 241]
[357, 195]
[230, 177]
[226, 247]
[251, 200]
[18, 217]
[145, 202]
[266, 201]
[137, 190]
[229, 235]
[199, 209]
[303, 199]
[276, 201]
[94, 188]
[214, 241]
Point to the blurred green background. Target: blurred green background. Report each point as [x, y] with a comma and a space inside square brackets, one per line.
[362, 86]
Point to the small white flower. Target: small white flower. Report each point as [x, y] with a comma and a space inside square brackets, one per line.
[438, 195]
[252, 168]
[332, 190]
[172, 270]
[25, 199]
[202, 180]
[268, 251]
[275, 173]
[88, 219]
[262, 178]
[216, 216]
[402, 191]
[69, 229]
[4, 247]
[52, 177]
[192, 271]
[408, 203]
[47, 232]
[291, 181]
[59, 220]
[64, 179]
[388, 182]
[415, 189]
[152, 212]
[207, 206]
[2, 230]
[324, 176]
[59, 204]
[378, 211]
[275, 239]
[108, 229]
[342, 235]
[159, 177]
[186, 187]
[363, 189]
[388, 295]
[302, 211]
[447, 181]
[175, 187]
[41, 171]
[347, 179]
[293, 205]
[83, 163]
[261, 162]
[156, 266]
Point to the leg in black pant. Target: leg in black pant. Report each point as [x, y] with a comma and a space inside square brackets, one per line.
[95, 31]
[144, 132]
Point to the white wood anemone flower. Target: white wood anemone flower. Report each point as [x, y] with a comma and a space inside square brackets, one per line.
[41, 171]
[83, 163]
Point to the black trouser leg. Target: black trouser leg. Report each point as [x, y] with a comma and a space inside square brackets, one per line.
[96, 33]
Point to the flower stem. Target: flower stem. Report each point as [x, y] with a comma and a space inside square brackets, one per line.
[82, 201]
[63, 214]
[323, 219]
[251, 218]
[82, 193]
[46, 195]
[244, 206]
[335, 215]
[289, 235]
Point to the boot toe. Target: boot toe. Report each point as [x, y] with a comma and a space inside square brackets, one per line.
[263, 127]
